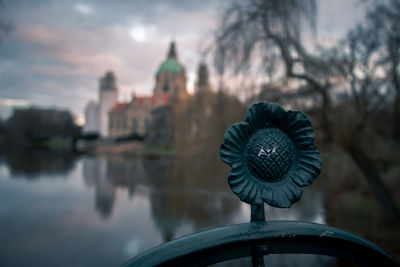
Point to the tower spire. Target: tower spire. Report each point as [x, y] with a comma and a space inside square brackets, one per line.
[202, 83]
[172, 51]
[202, 74]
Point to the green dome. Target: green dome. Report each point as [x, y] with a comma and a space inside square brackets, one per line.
[171, 65]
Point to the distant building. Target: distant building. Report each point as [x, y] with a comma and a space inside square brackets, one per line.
[170, 78]
[97, 114]
[108, 99]
[150, 116]
[91, 118]
[132, 117]
[202, 84]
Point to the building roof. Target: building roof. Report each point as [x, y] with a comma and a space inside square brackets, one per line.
[108, 81]
[165, 99]
[140, 101]
[171, 64]
[120, 107]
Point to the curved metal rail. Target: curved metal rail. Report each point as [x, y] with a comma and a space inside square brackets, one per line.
[263, 238]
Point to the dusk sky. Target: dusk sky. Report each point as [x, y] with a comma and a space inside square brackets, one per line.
[59, 49]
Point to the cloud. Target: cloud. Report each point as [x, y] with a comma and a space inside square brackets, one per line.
[9, 102]
[84, 9]
[59, 49]
[140, 33]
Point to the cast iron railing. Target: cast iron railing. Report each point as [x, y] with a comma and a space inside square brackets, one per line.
[272, 155]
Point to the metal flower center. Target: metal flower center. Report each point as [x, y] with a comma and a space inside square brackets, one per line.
[270, 154]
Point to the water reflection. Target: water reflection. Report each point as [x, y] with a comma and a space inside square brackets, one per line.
[108, 209]
[95, 174]
[31, 164]
[177, 195]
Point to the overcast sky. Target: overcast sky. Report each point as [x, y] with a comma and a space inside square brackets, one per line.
[59, 49]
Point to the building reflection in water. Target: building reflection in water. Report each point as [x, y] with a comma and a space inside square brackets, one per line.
[175, 199]
[172, 196]
[181, 194]
[95, 175]
[179, 197]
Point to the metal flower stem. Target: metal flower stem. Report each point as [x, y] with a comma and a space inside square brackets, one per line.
[257, 215]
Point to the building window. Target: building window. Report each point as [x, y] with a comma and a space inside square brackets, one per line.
[147, 124]
[121, 123]
[166, 87]
[111, 123]
[134, 124]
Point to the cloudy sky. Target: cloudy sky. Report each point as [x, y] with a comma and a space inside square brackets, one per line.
[59, 49]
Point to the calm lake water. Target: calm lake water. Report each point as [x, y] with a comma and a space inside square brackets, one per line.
[58, 209]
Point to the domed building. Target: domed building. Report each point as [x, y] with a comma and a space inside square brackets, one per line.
[138, 116]
[171, 77]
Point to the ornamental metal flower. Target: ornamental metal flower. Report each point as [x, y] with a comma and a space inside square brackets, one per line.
[272, 155]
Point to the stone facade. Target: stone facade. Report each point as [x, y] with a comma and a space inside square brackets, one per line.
[131, 118]
[161, 129]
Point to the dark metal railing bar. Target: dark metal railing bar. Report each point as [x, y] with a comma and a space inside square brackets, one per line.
[273, 237]
[257, 216]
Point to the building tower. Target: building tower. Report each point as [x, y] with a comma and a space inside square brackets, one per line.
[108, 99]
[202, 84]
[91, 118]
[170, 79]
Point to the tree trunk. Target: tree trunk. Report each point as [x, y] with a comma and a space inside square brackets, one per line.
[397, 117]
[395, 60]
[326, 123]
[372, 175]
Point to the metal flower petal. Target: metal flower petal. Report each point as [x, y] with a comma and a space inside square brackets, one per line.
[309, 165]
[299, 128]
[234, 142]
[272, 155]
[265, 114]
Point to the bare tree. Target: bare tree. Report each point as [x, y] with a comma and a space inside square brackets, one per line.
[271, 30]
[383, 22]
[368, 96]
